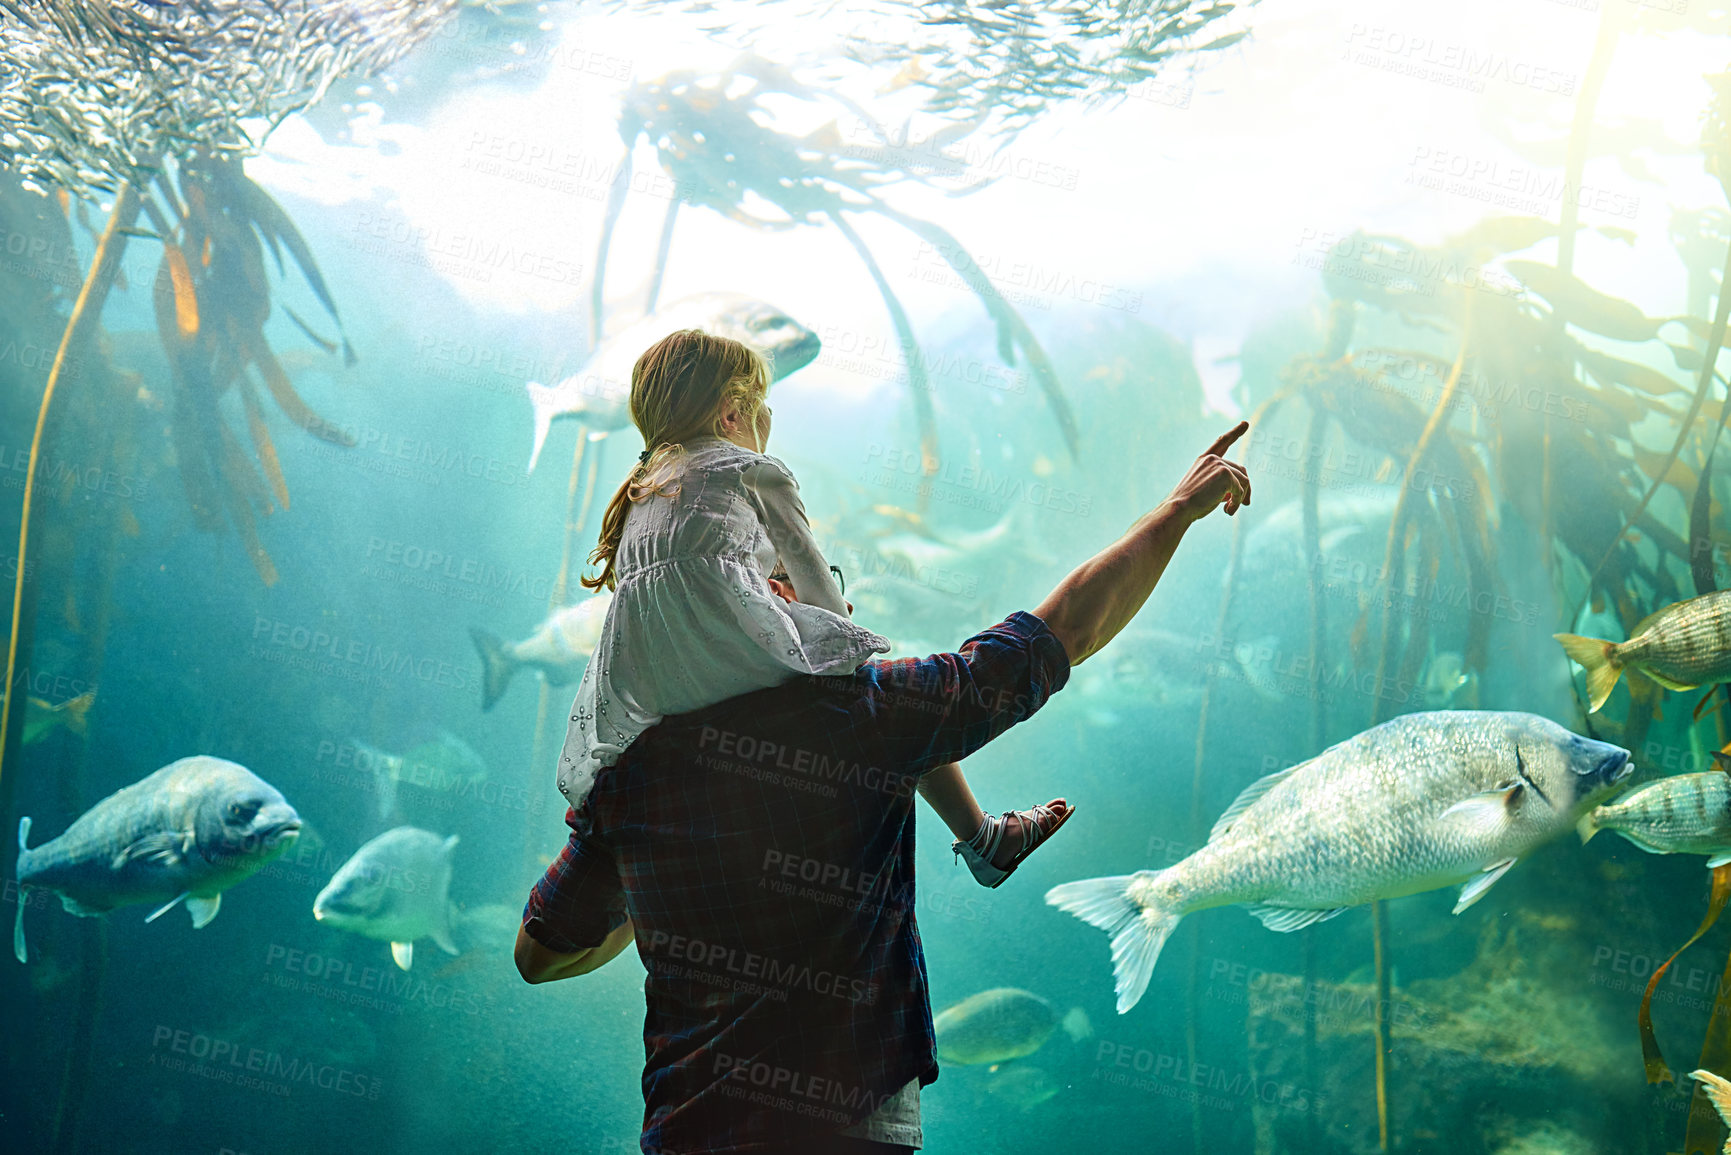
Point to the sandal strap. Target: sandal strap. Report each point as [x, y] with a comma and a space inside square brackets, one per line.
[993, 827]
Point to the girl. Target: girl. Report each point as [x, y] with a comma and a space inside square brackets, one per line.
[688, 545]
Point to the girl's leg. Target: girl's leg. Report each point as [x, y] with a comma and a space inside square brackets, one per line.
[948, 794]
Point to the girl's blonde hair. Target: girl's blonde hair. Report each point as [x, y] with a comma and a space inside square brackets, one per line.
[679, 389]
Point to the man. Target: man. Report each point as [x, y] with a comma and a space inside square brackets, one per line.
[761, 855]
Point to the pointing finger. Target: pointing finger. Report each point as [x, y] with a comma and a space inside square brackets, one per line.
[1225, 440]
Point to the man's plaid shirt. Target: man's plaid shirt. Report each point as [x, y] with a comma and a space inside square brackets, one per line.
[764, 850]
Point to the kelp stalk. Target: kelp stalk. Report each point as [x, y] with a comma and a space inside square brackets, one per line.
[85, 311]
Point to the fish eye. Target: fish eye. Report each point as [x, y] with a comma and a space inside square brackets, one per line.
[242, 811]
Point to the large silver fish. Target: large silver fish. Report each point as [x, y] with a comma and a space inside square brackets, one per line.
[599, 393]
[1683, 814]
[396, 888]
[187, 832]
[1682, 647]
[559, 648]
[1419, 802]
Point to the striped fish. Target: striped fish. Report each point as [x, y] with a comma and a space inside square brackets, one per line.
[1683, 646]
[1685, 814]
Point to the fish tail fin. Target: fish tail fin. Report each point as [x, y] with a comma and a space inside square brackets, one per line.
[77, 712]
[1075, 1024]
[497, 666]
[18, 950]
[1138, 932]
[544, 402]
[1599, 658]
[1718, 1093]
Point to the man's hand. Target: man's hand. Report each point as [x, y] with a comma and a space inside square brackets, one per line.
[1101, 595]
[1213, 481]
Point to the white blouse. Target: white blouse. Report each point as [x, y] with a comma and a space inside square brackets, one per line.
[693, 621]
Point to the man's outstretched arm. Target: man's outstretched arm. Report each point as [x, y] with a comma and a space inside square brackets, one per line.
[1102, 594]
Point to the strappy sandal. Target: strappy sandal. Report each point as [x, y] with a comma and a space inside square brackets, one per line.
[978, 851]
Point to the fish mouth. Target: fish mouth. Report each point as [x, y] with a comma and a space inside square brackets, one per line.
[282, 833]
[1615, 766]
[797, 354]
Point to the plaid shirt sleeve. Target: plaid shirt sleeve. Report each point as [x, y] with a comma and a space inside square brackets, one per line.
[580, 900]
[942, 708]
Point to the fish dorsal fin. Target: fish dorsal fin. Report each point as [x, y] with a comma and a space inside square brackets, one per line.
[1487, 814]
[167, 906]
[1251, 796]
[1642, 626]
[203, 909]
[403, 954]
[1475, 889]
[166, 847]
[1721, 761]
[18, 949]
[1286, 919]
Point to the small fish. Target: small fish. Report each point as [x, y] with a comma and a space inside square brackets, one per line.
[446, 763]
[599, 393]
[559, 648]
[1446, 681]
[1683, 646]
[1001, 1024]
[186, 833]
[41, 719]
[396, 888]
[1683, 814]
[1718, 1093]
[1420, 802]
[1023, 1088]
